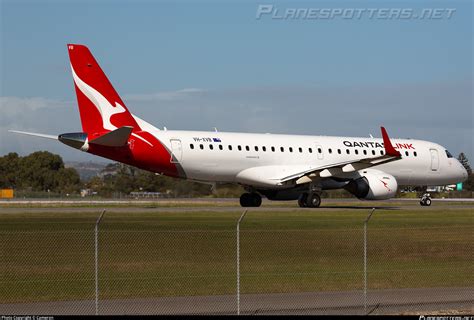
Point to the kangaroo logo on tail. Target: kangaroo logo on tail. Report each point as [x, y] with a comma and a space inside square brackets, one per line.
[97, 99]
[100, 102]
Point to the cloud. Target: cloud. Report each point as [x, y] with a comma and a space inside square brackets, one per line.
[36, 114]
[436, 112]
[439, 112]
[182, 94]
[315, 109]
[15, 108]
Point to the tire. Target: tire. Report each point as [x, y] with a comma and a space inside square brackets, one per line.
[250, 200]
[302, 200]
[313, 200]
[256, 200]
[245, 200]
[425, 202]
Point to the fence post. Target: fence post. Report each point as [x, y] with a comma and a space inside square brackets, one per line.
[238, 261]
[96, 242]
[366, 222]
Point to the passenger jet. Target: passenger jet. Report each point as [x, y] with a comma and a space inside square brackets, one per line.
[279, 167]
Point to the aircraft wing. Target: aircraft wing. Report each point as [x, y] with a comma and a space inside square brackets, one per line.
[345, 167]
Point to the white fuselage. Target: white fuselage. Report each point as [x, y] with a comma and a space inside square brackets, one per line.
[225, 157]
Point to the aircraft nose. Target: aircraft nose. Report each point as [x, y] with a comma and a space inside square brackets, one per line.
[463, 172]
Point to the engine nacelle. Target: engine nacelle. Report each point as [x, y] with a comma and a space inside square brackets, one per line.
[373, 185]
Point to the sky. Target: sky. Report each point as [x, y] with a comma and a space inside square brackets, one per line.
[196, 65]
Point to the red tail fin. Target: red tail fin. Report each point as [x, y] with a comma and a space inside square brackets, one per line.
[100, 106]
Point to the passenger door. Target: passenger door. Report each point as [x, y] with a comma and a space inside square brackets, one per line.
[434, 160]
[176, 151]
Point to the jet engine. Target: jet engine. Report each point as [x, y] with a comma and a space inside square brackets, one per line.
[373, 185]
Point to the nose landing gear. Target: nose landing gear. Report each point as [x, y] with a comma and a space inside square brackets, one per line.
[425, 200]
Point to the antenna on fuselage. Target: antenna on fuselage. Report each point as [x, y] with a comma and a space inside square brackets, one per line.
[215, 129]
[370, 134]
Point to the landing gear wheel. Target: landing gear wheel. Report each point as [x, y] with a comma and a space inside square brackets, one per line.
[425, 200]
[256, 200]
[302, 200]
[313, 200]
[250, 200]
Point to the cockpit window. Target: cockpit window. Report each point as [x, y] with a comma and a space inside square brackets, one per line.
[448, 154]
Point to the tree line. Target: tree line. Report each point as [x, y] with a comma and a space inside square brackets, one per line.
[120, 179]
[43, 171]
[39, 171]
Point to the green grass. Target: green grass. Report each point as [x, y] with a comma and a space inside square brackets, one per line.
[49, 256]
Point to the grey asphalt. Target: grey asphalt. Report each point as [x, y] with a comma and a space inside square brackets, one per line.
[217, 205]
[393, 301]
[197, 200]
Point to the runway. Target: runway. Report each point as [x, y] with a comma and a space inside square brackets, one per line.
[130, 201]
[393, 301]
[218, 205]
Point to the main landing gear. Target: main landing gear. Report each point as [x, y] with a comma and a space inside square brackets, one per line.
[250, 200]
[309, 200]
[425, 200]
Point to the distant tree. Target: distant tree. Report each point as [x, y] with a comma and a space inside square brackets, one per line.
[465, 162]
[67, 180]
[469, 184]
[9, 166]
[38, 171]
[122, 178]
[99, 185]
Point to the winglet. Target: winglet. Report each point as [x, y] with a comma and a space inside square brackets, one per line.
[389, 149]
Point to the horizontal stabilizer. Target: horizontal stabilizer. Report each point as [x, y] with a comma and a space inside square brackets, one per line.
[116, 138]
[47, 136]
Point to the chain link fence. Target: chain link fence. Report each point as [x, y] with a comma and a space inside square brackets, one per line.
[221, 262]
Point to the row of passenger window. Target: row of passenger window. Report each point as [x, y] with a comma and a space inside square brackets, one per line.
[300, 149]
[247, 148]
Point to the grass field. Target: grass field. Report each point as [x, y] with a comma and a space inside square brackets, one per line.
[49, 255]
